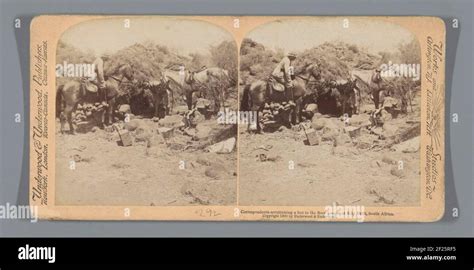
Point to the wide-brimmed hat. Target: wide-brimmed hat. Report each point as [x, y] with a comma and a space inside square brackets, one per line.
[291, 54]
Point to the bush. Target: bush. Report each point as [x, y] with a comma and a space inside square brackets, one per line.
[353, 48]
[225, 56]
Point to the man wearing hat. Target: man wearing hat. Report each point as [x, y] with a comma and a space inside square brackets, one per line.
[283, 71]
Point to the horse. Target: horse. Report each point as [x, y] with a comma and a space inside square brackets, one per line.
[377, 91]
[349, 95]
[257, 93]
[208, 80]
[69, 95]
[160, 94]
[215, 80]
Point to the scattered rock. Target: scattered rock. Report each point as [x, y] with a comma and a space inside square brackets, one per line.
[181, 109]
[390, 102]
[190, 132]
[394, 112]
[386, 116]
[203, 161]
[406, 132]
[264, 156]
[193, 118]
[389, 130]
[202, 103]
[143, 134]
[353, 132]
[223, 147]
[396, 171]
[198, 195]
[132, 124]
[318, 123]
[360, 120]
[306, 164]
[172, 121]
[203, 131]
[381, 198]
[209, 133]
[378, 131]
[124, 108]
[77, 158]
[364, 142]
[389, 160]
[281, 128]
[343, 139]
[330, 131]
[166, 133]
[312, 107]
[409, 146]
[216, 171]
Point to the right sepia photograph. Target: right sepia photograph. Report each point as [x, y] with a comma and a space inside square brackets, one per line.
[338, 106]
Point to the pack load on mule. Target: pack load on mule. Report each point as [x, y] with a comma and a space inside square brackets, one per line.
[85, 112]
[273, 112]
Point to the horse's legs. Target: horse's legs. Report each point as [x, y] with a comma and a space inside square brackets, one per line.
[255, 110]
[62, 120]
[156, 105]
[296, 112]
[381, 97]
[111, 111]
[189, 100]
[68, 113]
[170, 102]
[102, 118]
[344, 105]
[257, 119]
[375, 97]
[356, 102]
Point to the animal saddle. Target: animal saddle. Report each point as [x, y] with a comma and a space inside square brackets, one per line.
[152, 85]
[276, 85]
[90, 86]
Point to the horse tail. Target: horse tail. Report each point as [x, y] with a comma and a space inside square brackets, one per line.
[59, 100]
[245, 102]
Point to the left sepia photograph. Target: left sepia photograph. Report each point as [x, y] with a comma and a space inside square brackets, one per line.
[137, 113]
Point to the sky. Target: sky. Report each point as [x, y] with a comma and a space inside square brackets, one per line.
[109, 35]
[300, 34]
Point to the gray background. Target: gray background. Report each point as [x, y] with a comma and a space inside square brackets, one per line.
[14, 71]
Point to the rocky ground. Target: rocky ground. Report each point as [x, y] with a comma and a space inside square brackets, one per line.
[370, 160]
[177, 160]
